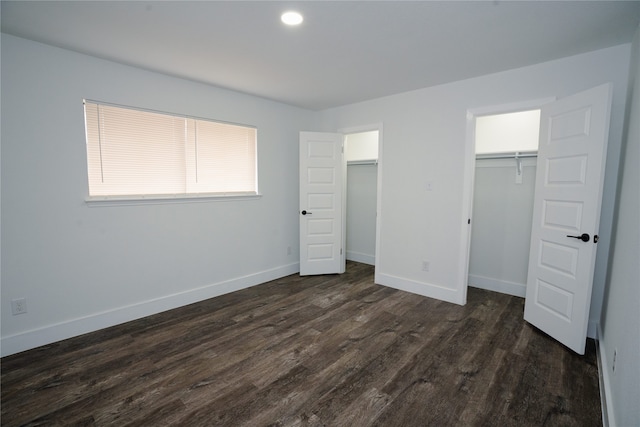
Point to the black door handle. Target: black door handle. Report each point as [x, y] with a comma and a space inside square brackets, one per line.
[584, 237]
[305, 213]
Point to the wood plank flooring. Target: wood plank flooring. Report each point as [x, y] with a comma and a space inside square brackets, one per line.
[310, 351]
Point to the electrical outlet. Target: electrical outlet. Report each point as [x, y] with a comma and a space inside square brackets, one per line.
[615, 356]
[19, 306]
[425, 265]
[288, 250]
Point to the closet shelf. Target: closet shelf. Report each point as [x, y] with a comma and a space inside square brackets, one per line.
[512, 155]
[362, 162]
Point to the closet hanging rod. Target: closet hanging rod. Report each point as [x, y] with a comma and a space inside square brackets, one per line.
[362, 162]
[516, 155]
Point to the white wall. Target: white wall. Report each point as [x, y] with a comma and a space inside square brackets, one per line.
[424, 133]
[83, 268]
[501, 230]
[361, 146]
[620, 324]
[509, 132]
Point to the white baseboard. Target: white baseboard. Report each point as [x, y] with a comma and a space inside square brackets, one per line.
[608, 418]
[502, 286]
[425, 289]
[360, 257]
[60, 331]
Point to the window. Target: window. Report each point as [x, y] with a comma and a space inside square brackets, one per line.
[132, 152]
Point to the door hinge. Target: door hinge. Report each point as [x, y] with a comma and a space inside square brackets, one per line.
[340, 251]
[469, 221]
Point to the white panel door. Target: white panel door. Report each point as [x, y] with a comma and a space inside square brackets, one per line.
[321, 203]
[566, 214]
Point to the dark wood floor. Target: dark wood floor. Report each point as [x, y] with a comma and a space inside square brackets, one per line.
[314, 351]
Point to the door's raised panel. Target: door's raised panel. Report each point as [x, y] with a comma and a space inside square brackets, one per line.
[558, 258]
[319, 201]
[566, 216]
[320, 150]
[555, 300]
[320, 227]
[570, 170]
[574, 124]
[321, 176]
[320, 252]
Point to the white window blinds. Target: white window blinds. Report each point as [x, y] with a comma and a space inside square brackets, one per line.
[134, 152]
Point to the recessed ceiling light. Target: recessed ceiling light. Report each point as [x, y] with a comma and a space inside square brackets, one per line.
[292, 18]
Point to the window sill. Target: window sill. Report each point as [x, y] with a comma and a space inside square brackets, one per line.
[162, 199]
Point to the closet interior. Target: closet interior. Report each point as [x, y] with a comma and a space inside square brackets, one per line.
[504, 188]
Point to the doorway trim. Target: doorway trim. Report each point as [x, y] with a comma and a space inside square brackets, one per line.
[469, 175]
[358, 129]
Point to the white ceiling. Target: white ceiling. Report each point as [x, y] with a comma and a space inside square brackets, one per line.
[344, 52]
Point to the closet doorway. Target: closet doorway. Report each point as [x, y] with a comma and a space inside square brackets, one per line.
[327, 191]
[361, 155]
[504, 187]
